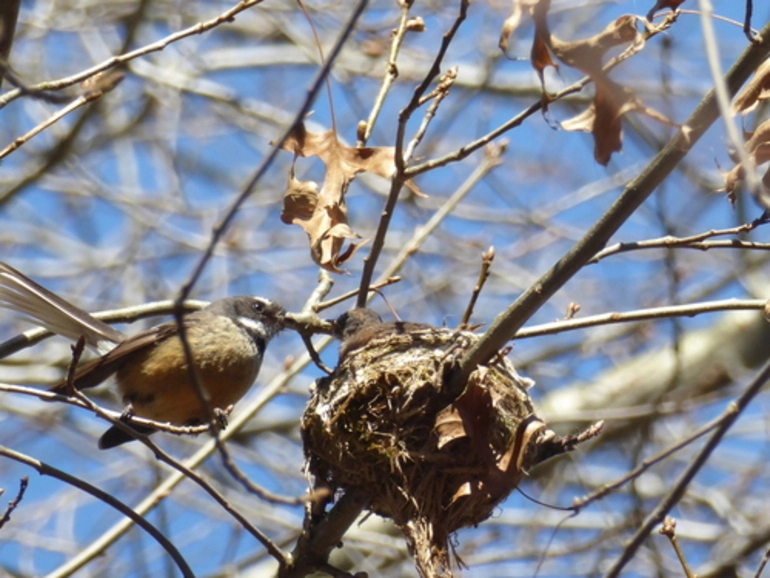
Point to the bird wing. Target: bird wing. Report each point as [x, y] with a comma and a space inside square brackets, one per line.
[94, 372]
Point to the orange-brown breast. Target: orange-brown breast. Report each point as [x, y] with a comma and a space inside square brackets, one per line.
[157, 383]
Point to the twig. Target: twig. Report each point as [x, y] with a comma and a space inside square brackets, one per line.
[688, 310]
[438, 94]
[23, 483]
[723, 97]
[691, 242]
[345, 296]
[46, 470]
[762, 563]
[224, 223]
[325, 284]
[199, 28]
[390, 76]
[747, 22]
[606, 489]
[118, 417]
[468, 149]
[314, 354]
[669, 530]
[89, 96]
[486, 262]
[370, 262]
[728, 418]
[510, 321]
[259, 491]
[719, 17]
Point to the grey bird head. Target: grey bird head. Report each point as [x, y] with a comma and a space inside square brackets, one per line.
[259, 317]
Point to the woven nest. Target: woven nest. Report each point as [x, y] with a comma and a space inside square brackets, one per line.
[384, 424]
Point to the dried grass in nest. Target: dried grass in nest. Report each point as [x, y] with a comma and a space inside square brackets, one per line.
[383, 423]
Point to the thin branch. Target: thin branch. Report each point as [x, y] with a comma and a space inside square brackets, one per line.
[486, 263]
[87, 97]
[350, 294]
[446, 82]
[723, 98]
[390, 76]
[222, 226]
[370, 262]
[12, 505]
[688, 310]
[691, 242]
[199, 28]
[669, 531]
[728, 418]
[47, 470]
[511, 320]
[606, 489]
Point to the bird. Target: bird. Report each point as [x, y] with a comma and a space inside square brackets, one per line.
[227, 339]
[357, 327]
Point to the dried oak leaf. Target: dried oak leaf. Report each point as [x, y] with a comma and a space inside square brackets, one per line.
[758, 148]
[322, 213]
[756, 90]
[602, 118]
[612, 100]
[661, 4]
[471, 416]
[299, 200]
[518, 10]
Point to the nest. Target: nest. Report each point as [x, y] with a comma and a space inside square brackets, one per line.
[383, 424]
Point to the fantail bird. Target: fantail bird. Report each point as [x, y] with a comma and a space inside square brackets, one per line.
[357, 327]
[227, 339]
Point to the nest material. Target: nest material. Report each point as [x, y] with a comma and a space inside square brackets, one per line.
[384, 424]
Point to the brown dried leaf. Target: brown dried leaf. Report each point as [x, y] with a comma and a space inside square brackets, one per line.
[660, 4]
[518, 10]
[449, 426]
[758, 148]
[323, 214]
[586, 55]
[469, 416]
[540, 55]
[602, 118]
[299, 200]
[756, 90]
[514, 456]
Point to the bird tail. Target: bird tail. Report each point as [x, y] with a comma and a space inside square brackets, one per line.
[21, 294]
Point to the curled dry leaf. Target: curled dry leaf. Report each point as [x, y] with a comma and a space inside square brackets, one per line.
[602, 118]
[323, 213]
[519, 9]
[758, 89]
[758, 148]
[612, 100]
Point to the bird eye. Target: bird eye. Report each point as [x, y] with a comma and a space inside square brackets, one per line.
[259, 306]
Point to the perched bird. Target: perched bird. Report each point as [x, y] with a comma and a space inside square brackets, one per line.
[227, 340]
